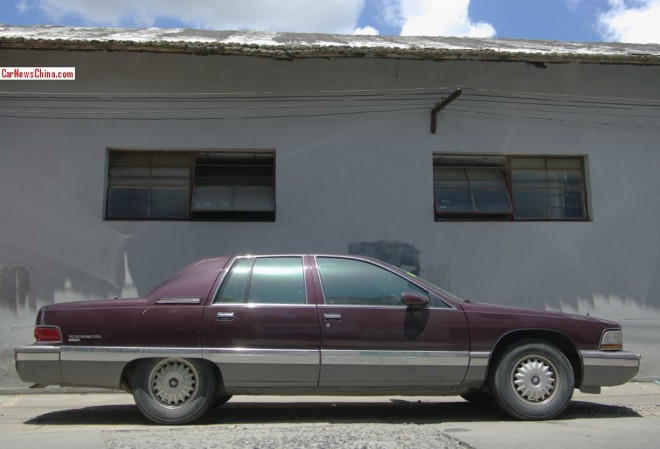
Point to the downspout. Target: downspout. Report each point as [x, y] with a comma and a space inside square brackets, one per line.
[440, 106]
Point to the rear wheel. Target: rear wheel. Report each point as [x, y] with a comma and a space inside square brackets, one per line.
[174, 390]
[533, 381]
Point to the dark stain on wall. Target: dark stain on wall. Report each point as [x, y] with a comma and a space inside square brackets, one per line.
[15, 282]
[399, 254]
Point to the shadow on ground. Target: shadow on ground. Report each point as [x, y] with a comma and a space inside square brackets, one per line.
[394, 412]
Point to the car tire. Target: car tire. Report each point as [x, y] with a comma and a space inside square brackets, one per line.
[174, 390]
[221, 400]
[533, 381]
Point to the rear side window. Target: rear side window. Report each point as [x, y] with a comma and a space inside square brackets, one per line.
[235, 285]
[353, 282]
[265, 280]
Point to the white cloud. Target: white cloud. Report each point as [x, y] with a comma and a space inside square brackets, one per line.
[22, 6]
[414, 17]
[366, 31]
[441, 18]
[327, 16]
[636, 21]
[573, 5]
[389, 11]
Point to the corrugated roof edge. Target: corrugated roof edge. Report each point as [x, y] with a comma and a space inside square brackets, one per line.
[301, 45]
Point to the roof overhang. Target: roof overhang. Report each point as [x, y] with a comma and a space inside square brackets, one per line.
[302, 46]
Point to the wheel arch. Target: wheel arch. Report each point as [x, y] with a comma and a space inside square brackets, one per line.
[126, 380]
[558, 339]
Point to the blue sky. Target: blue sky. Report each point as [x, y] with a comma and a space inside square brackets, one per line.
[565, 20]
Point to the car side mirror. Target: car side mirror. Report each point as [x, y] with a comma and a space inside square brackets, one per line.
[413, 300]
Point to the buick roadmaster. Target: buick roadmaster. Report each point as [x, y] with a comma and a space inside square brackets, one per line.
[318, 324]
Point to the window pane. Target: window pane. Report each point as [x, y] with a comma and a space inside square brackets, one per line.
[129, 158]
[574, 198]
[171, 172]
[485, 174]
[148, 184]
[492, 200]
[534, 162]
[128, 202]
[169, 203]
[254, 198]
[167, 159]
[453, 200]
[212, 198]
[450, 173]
[528, 178]
[354, 282]
[234, 182]
[233, 289]
[565, 163]
[531, 204]
[129, 172]
[277, 280]
[565, 179]
[557, 192]
[472, 188]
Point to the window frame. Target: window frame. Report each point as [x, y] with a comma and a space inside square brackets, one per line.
[508, 169]
[150, 183]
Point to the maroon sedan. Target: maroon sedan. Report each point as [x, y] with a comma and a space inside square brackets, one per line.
[317, 324]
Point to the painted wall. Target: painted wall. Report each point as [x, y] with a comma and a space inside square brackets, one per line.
[351, 176]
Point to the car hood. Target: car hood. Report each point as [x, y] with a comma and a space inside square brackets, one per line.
[498, 309]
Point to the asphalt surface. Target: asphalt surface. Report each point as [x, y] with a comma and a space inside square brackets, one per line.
[624, 416]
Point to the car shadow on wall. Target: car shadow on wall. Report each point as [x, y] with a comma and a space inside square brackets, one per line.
[394, 411]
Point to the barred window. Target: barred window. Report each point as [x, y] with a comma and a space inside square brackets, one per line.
[187, 185]
[488, 187]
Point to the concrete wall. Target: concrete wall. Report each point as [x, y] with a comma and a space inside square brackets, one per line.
[350, 176]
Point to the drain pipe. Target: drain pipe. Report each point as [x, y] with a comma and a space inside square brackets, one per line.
[440, 106]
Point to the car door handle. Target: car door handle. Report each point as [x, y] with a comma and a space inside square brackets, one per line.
[224, 316]
[332, 316]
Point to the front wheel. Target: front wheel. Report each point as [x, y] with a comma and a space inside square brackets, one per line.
[533, 381]
[174, 390]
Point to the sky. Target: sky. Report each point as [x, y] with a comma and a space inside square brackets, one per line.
[633, 21]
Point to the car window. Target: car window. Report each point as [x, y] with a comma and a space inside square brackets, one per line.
[277, 280]
[233, 288]
[270, 280]
[354, 282]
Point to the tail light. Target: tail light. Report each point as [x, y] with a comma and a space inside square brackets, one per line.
[47, 334]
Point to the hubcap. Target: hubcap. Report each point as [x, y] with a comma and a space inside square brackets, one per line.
[534, 379]
[173, 382]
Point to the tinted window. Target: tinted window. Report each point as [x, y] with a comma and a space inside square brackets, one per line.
[233, 289]
[354, 282]
[277, 280]
[271, 280]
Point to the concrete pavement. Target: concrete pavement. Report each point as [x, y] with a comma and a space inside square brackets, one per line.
[624, 416]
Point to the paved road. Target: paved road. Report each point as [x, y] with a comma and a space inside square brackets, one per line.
[626, 416]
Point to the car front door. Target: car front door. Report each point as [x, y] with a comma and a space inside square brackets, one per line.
[260, 329]
[371, 340]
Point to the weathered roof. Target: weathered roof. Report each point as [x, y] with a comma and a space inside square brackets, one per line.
[304, 45]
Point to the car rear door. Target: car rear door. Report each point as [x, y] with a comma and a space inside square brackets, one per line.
[260, 329]
[370, 340]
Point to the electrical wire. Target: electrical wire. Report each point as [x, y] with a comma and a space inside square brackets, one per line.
[246, 105]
